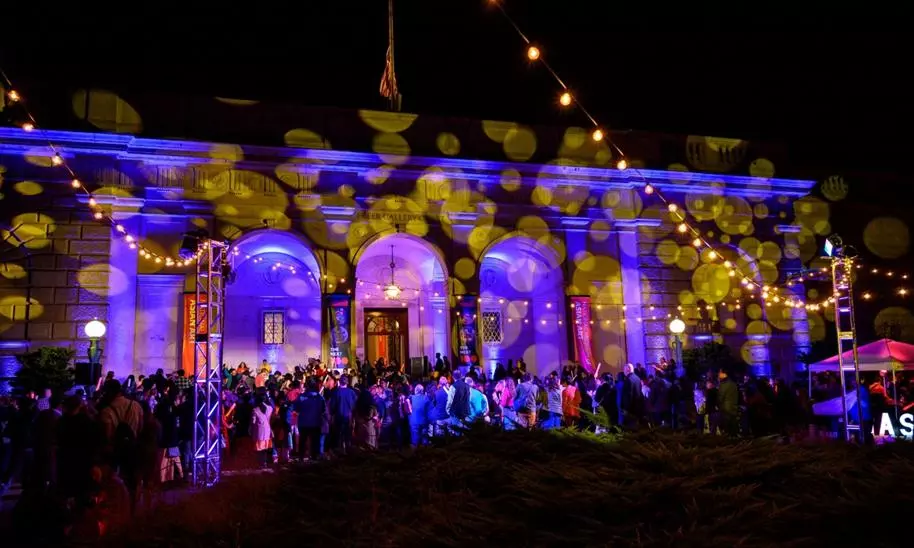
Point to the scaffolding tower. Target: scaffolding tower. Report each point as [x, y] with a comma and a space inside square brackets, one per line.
[208, 323]
[842, 272]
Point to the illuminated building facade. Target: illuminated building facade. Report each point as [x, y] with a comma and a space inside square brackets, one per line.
[506, 225]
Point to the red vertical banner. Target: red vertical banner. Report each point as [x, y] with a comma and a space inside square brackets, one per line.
[189, 331]
[583, 333]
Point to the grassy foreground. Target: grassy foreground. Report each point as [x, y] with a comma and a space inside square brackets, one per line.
[560, 489]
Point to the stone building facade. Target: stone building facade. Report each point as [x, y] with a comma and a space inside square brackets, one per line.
[545, 218]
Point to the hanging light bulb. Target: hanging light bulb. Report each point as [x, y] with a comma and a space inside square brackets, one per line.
[683, 228]
[622, 165]
[648, 189]
[28, 126]
[75, 183]
[565, 99]
[712, 254]
[597, 135]
[533, 53]
[672, 207]
[13, 95]
[696, 242]
[56, 160]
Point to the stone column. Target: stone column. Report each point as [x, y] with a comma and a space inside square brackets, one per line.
[627, 231]
[158, 322]
[122, 298]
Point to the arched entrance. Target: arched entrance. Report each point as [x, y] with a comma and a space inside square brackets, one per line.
[273, 301]
[411, 323]
[522, 304]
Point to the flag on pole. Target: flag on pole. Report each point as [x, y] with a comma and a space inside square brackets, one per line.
[389, 79]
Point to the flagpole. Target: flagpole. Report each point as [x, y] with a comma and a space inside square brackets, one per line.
[394, 102]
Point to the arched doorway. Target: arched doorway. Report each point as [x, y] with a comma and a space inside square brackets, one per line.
[418, 312]
[522, 304]
[273, 301]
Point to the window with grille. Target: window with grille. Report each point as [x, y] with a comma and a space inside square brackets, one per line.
[274, 327]
[491, 327]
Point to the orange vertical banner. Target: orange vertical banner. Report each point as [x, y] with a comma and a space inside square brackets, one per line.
[189, 331]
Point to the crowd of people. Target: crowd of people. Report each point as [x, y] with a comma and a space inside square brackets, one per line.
[124, 441]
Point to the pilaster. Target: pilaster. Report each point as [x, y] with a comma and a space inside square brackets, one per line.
[158, 322]
[632, 299]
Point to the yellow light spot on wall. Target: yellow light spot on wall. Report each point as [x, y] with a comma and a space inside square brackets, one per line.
[599, 231]
[622, 204]
[769, 252]
[448, 144]
[106, 111]
[754, 311]
[725, 238]
[510, 180]
[520, 144]
[736, 217]
[387, 122]
[688, 258]
[812, 213]
[730, 324]
[761, 167]
[705, 206]
[541, 196]
[834, 188]
[711, 283]
[668, 252]
[575, 137]
[760, 211]
[347, 191]
[379, 175]
[18, 308]
[27, 188]
[30, 230]
[612, 353]
[686, 297]
[392, 148]
[223, 211]
[465, 268]
[12, 271]
[496, 130]
[753, 352]
[887, 237]
[305, 138]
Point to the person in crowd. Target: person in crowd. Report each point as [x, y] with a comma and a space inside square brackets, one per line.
[553, 403]
[525, 401]
[260, 430]
[727, 404]
[419, 408]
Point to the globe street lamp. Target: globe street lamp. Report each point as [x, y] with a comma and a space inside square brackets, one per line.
[95, 330]
[677, 328]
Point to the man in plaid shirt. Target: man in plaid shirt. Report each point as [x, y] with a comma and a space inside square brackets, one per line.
[182, 383]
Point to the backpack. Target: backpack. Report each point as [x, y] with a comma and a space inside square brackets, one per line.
[124, 440]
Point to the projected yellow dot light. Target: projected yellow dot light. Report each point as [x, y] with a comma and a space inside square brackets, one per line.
[887, 237]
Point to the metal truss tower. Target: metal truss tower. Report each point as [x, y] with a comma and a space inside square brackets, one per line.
[208, 324]
[842, 272]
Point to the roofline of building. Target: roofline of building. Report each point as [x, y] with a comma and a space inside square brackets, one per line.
[127, 147]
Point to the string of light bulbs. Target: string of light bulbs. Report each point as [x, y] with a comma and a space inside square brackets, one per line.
[59, 161]
[769, 294]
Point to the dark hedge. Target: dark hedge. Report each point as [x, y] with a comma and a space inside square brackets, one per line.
[494, 488]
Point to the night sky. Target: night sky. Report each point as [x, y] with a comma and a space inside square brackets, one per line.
[753, 72]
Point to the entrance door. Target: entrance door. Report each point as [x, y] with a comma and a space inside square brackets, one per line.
[386, 332]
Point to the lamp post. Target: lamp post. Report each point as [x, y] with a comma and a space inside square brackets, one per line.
[677, 328]
[95, 330]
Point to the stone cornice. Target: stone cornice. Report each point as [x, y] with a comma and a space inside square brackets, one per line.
[178, 152]
[633, 224]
